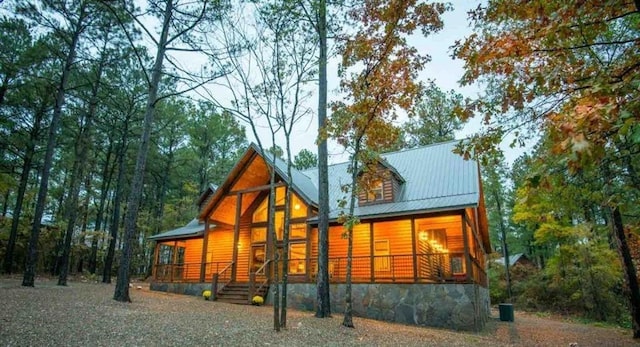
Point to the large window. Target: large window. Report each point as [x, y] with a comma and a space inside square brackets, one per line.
[165, 254]
[297, 207]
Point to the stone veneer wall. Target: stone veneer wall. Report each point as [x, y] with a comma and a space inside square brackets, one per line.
[451, 306]
[180, 288]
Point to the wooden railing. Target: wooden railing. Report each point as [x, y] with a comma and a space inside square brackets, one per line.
[223, 276]
[252, 280]
[405, 268]
[189, 272]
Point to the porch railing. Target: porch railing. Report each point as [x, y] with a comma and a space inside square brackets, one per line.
[189, 272]
[220, 279]
[407, 268]
[423, 268]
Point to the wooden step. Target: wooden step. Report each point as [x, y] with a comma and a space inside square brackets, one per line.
[238, 293]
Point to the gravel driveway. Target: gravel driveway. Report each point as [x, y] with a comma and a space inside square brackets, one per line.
[84, 314]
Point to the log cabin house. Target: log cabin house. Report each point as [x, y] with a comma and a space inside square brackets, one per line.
[418, 256]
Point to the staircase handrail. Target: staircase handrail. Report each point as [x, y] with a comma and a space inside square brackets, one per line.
[252, 280]
[214, 281]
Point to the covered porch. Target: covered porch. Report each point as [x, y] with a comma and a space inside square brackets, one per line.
[432, 248]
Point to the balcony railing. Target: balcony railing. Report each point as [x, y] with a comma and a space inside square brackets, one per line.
[421, 268]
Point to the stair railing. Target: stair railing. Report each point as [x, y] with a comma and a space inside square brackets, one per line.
[252, 280]
[221, 275]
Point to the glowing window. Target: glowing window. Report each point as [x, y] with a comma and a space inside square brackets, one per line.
[297, 258]
[376, 192]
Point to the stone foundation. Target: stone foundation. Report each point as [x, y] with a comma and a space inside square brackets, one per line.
[450, 306]
[195, 289]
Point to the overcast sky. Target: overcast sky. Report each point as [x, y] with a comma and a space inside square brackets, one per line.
[443, 69]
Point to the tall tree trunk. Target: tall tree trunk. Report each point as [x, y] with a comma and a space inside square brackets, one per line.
[348, 301]
[505, 248]
[629, 270]
[32, 253]
[122, 284]
[285, 236]
[82, 152]
[115, 221]
[22, 188]
[323, 308]
[107, 174]
[85, 218]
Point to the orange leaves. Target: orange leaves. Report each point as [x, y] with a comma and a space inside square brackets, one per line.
[379, 69]
[569, 66]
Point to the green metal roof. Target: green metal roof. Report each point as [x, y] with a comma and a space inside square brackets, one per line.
[192, 229]
[434, 179]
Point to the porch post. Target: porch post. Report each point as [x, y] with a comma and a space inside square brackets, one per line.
[203, 258]
[413, 248]
[155, 260]
[467, 252]
[174, 256]
[236, 236]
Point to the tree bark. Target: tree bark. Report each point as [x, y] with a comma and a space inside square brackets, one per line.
[32, 253]
[115, 222]
[323, 308]
[348, 301]
[22, 188]
[629, 269]
[505, 249]
[122, 284]
[107, 174]
[77, 174]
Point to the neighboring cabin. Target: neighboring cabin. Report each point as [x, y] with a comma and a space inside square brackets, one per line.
[516, 259]
[419, 250]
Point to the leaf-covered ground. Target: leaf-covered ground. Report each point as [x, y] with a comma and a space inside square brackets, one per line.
[84, 314]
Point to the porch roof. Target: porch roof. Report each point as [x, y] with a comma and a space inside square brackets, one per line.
[193, 228]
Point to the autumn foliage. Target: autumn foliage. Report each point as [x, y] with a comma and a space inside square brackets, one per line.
[571, 66]
[379, 70]
[566, 73]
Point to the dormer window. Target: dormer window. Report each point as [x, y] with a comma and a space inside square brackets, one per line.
[380, 184]
[376, 191]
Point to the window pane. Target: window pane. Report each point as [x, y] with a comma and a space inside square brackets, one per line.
[297, 258]
[258, 235]
[381, 253]
[180, 255]
[280, 195]
[279, 224]
[262, 212]
[375, 193]
[298, 231]
[298, 208]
